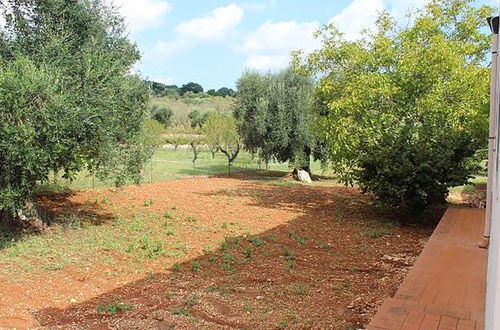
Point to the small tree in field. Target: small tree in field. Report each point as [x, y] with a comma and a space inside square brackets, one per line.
[67, 100]
[403, 111]
[220, 130]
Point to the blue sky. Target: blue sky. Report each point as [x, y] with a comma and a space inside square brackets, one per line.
[213, 41]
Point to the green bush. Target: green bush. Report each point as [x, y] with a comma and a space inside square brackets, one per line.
[162, 114]
[414, 168]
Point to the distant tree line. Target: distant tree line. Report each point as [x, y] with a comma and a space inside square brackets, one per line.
[160, 89]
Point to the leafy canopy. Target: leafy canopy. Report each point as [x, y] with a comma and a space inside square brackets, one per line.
[272, 112]
[67, 99]
[403, 110]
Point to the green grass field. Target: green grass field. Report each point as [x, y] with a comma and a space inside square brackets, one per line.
[168, 164]
[184, 105]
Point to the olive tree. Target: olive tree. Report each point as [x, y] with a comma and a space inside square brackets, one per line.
[68, 101]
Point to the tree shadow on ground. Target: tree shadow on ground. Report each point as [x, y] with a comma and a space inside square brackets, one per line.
[324, 268]
[60, 210]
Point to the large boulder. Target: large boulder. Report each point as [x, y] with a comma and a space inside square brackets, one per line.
[303, 176]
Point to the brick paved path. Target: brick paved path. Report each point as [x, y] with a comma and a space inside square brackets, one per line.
[446, 287]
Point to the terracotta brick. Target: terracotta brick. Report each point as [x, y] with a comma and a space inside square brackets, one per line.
[467, 323]
[448, 323]
[414, 318]
[429, 324]
[408, 326]
[432, 316]
[459, 313]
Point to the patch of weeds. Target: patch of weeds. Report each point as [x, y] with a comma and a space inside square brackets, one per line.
[154, 216]
[256, 241]
[324, 245]
[169, 232]
[192, 301]
[168, 215]
[300, 239]
[223, 245]
[150, 249]
[247, 308]
[135, 224]
[271, 238]
[236, 241]
[200, 229]
[300, 288]
[173, 208]
[148, 202]
[150, 275]
[233, 277]
[191, 218]
[195, 266]
[248, 252]
[176, 267]
[113, 308]
[227, 261]
[283, 324]
[375, 233]
[212, 259]
[289, 257]
[181, 311]
[207, 248]
[224, 225]
[355, 269]
[212, 288]
[72, 221]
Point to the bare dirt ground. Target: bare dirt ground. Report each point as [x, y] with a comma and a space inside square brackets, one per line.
[257, 252]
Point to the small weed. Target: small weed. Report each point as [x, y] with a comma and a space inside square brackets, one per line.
[168, 215]
[283, 324]
[236, 241]
[195, 266]
[300, 288]
[212, 288]
[113, 308]
[248, 252]
[192, 301]
[300, 239]
[181, 311]
[173, 208]
[208, 248]
[247, 308]
[289, 254]
[256, 241]
[224, 225]
[271, 238]
[191, 218]
[148, 202]
[170, 232]
[376, 233]
[227, 261]
[223, 245]
[150, 275]
[324, 246]
[176, 267]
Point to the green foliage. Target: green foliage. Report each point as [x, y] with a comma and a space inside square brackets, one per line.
[67, 101]
[221, 134]
[113, 308]
[403, 111]
[191, 87]
[159, 89]
[273, 117]
[162, 114]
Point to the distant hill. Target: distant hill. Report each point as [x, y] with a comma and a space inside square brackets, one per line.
[183, 105]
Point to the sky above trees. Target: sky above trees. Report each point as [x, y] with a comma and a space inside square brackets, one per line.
[212, 42]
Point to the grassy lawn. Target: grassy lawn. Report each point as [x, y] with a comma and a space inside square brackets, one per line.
[169, 164]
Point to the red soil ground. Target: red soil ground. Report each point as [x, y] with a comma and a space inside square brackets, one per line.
[322, 256]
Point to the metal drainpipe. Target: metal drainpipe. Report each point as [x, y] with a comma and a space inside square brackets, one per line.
[492, 143]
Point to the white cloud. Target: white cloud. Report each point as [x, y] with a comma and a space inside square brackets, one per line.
[216, 25]
[142, 14]
[359, 15]
[269, 47]
[362, 14]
